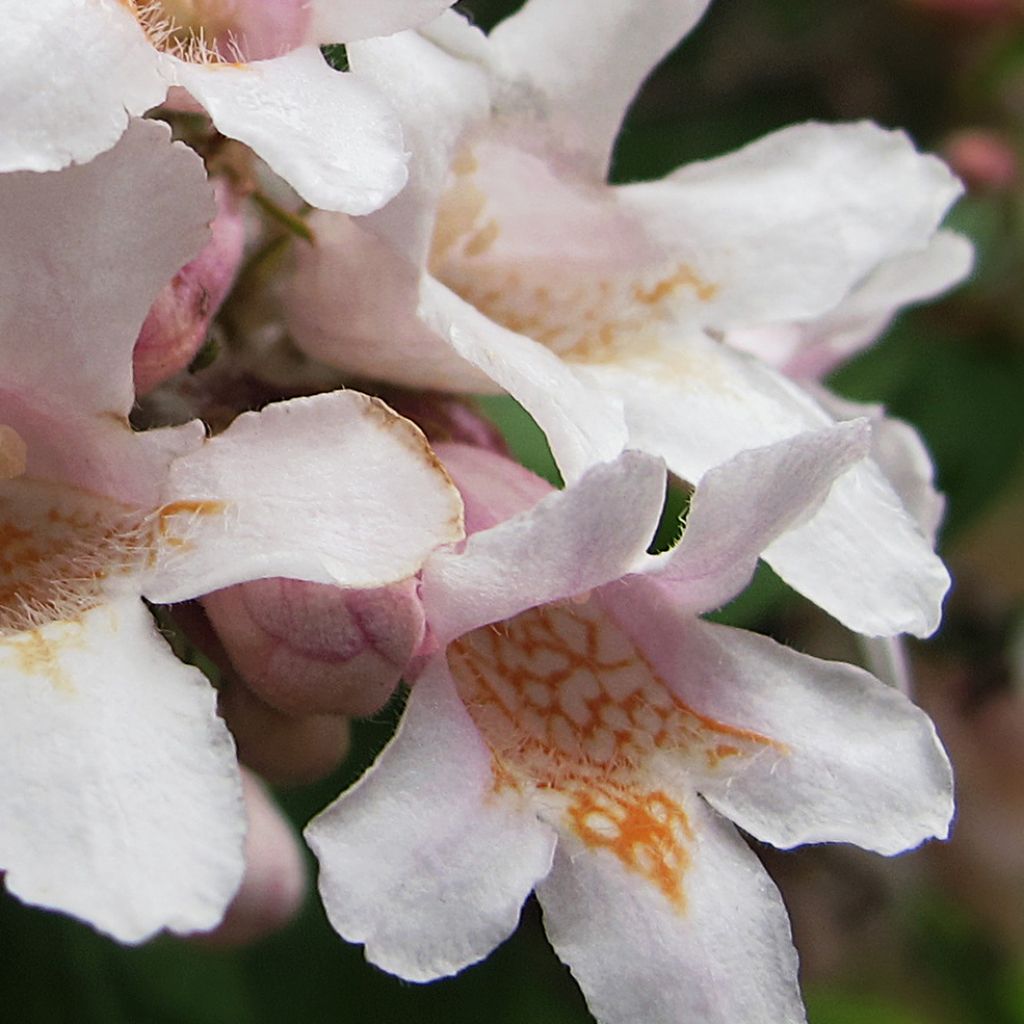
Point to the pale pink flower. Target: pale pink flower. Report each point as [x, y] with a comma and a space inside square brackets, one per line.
[581, 732]
[76, 70]
[509, 262]
[120, 799]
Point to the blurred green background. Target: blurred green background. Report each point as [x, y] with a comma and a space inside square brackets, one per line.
[936, 937]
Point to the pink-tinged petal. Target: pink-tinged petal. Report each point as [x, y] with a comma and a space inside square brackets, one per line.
[177, 323]
[344, 21]
[493, 486]
[365, 511]
[352, 303]
[898, 450]
[595, 531]
[275, 873]
[73, 73]
[329, 135]
[816, 751]
[861, 557]
[784, 228]
[308, 648]
[95, 245]
[120, 799]
[741, 506]
[437, 84]
[577, 65]
[260, 29]
[583, 426]
[723, 957]
[814, 349]
[425, 861]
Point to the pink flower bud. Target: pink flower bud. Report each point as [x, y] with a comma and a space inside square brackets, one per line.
[179, 319]
[274, 884]
[288, 750]
[985, 160]
[309, 648]
[493, 487]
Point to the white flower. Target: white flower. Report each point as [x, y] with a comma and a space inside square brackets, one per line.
[581, 732]
[75, 70]
[509, 261]
[120, 800]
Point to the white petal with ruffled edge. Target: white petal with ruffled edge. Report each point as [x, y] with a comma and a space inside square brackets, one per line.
[329, 135]
[343, 21]
[583, 426]
[120, 800]
[424, 860]
[582, 63]
[364, 511]
[849, 759]
[784, 228]
[72, 75]
[108, 245]
[744, 504]
[724, 957]
[861, 557]
[571, 541]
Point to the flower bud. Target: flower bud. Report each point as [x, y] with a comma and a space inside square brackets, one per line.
[290, 750]
[310, 648]
[179, 319]
[985, 160]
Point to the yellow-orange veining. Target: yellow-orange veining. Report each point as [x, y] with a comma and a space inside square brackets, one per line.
[574, 713]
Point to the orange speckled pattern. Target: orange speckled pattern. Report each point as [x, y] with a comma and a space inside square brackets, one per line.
[575, 714]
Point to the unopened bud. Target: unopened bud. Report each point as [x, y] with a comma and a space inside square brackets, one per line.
[179, 319]
[985, 160]
[284, 749]
[310, 648]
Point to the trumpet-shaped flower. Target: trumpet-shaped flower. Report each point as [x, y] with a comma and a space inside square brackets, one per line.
[76, 70]
[120, 799]
[603, 309]
[581, 732]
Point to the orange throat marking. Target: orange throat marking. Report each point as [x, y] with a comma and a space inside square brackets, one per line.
[575, 715]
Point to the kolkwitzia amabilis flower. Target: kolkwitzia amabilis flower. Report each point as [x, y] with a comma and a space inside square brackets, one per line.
[75, 70]
[581, 732]
[120, 800]
[602, 309]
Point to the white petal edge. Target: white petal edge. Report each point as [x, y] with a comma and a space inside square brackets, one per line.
[72, 75]
[728, 957]
[121, 801]
[330, 135]
[595, 531]
[362, 508]
[424, 860]
[344, 21]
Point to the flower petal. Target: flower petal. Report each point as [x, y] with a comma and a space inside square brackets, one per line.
[784, 228]
[585, 62]
[95, 245]
[861, 557]
[250, 504]
[583, 426]
[73, 73]
[120, 798]
[725, 957]
[329, 135]
[814, 349]
[593, 532]
[344, 21]
[745, 503]
[423, 860]
[850, 759]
